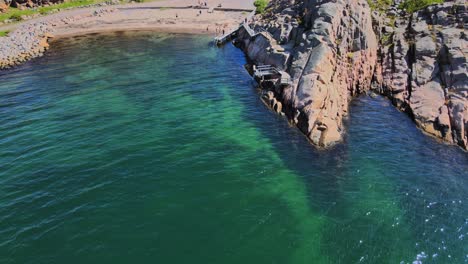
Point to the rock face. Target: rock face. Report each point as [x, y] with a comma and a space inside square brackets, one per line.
[423, 68]
[329, 49]
[338, 48]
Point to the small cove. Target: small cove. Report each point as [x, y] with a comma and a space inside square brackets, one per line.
[144, 147]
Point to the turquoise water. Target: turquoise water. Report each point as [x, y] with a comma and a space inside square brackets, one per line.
[155, 148]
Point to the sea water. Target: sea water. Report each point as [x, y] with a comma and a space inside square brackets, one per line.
[155, 148]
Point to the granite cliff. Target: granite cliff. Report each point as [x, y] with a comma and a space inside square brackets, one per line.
[336, 49]
[330, 51]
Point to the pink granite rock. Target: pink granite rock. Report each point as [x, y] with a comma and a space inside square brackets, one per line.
[330, 56]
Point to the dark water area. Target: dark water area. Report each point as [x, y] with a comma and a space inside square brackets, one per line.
[155, 148]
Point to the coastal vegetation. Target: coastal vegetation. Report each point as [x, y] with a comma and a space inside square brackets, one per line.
[261, 5]
[17, 14]
[415, 5]
[4, 33]
[380, 5]
[409, 6]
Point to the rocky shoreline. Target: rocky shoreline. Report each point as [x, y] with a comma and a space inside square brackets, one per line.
[332, 49]
[337, 49]
[23, 45]
[31, 39]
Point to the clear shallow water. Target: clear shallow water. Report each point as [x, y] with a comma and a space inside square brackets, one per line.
[155, 148]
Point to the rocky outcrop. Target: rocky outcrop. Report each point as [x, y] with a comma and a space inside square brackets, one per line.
[423, 68]
[329, 49]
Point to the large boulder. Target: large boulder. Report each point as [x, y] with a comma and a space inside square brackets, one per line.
[3, 6]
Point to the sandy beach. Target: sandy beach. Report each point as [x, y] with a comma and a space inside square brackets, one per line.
[167, 16]
[30, 38]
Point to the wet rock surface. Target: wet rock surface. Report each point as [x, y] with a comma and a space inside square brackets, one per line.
[337, 49]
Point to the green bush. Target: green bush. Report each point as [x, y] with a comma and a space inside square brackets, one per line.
[411, 6]
[16, 17]
[380, 5]
[4, 33]
[15, 13]
[261, 5]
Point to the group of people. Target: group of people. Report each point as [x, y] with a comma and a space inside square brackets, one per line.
[220, 30]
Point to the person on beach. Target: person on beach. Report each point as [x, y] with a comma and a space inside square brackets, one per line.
[176, 16]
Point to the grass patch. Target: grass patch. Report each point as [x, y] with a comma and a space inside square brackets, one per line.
[15, 13]
[261, 5]
[385, 39]
[411, 6]
[4, 33]
[380, 5]
[16, 17]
